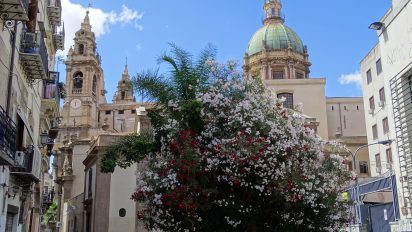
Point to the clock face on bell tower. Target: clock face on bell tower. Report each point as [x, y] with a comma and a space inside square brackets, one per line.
[75, 103]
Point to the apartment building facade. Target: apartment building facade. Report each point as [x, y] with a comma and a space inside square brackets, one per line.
[31, 34]
[387, 73]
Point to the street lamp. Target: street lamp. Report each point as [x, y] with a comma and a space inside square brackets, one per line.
[376, 26]
[44, 138]
[357, 195]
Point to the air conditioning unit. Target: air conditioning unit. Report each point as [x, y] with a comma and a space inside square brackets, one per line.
[372, 111]
[381, 104]
[389, 166]
[19, 158]
[30, 38]
[53, 76]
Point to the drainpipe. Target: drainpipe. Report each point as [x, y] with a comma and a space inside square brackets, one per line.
[13, 53]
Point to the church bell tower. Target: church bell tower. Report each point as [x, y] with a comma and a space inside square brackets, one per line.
[84, 80]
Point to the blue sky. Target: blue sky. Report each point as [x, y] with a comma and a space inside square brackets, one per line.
[335, 31]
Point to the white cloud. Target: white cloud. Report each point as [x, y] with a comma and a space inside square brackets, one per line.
[351, 78]
[138, 47]
[73, 15]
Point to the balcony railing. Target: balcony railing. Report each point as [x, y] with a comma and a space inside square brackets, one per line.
[58, 37]
[27, 164]
[7, 139]
[76, 91]
[33, 56]
[14, 10]
[48, 195]
[54, 12]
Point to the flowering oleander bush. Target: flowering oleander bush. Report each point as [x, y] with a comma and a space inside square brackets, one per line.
[248, 164]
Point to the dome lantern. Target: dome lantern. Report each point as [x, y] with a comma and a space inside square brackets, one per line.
[273, 12]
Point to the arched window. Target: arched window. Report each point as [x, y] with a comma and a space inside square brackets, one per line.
[81, 49]
[94, 86]
[123, 95]
[78, 81]
[288, 103]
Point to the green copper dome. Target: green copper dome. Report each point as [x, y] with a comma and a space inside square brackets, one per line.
[274, 36]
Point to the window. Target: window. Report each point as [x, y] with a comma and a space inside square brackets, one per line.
[378, 66]
[122, 212]
[94, 86]
[299, 75]
[389, 155]
[363, 167]
[345, 108]
[123, 95]
[133, 111]
[288, 103]
[369, 76]
[357, 107]
[121, 111]
[371, 103]
[77, 81]
[108, 111]
[378, 162]
[344, 122]
[90, 182]
[382, 95]
[332, 108]
[375, 132]
[277, 75]
[81, 49]
[385, 125]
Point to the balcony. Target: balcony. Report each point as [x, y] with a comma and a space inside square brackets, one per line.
[58, 38]
[27, 165]
[48, 195]
[7, 139]
[47, 198]
[76, 91]
[33, 56]
[51, 99]
[14, 10]
[54, 12]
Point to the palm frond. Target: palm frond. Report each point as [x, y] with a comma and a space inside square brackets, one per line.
[127, 151]
[153, 86]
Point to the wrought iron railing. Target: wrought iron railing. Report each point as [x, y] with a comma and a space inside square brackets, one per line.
[76, 91]
[7, 133]
[14, 10]
[33, 44]
[48, 195]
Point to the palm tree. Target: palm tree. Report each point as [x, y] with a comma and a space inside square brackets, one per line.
[186, 78]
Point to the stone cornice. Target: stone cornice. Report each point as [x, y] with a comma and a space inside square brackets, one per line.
[308, 81]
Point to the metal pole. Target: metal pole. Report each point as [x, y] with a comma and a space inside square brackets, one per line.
[10, 81]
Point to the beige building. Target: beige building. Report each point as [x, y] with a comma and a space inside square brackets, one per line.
[346, 124]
